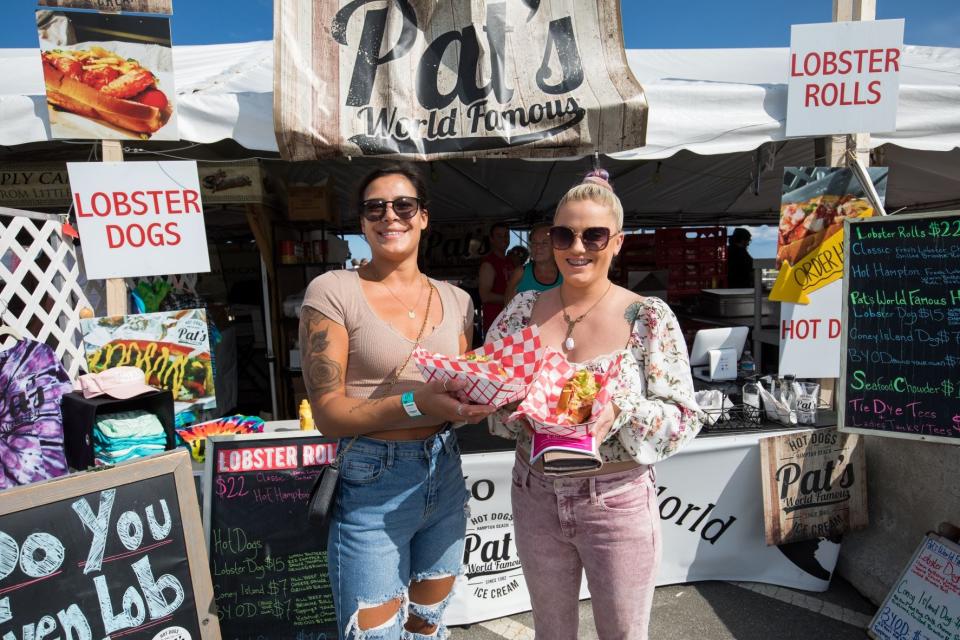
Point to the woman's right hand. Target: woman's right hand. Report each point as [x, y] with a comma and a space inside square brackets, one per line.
[438, 399]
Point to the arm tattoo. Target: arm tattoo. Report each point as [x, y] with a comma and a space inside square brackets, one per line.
[321, 373]
[633, 312]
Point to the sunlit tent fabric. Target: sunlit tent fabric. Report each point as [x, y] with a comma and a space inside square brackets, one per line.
[716, 134]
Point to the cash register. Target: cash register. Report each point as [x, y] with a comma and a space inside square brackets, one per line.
[716, 352]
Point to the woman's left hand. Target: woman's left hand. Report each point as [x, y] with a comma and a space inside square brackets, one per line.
[604, 422]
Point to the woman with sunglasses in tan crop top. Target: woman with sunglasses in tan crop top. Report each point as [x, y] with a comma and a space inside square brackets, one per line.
[395, 544]
[602, 522]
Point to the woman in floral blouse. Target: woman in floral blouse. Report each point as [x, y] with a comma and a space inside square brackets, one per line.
[604, 522]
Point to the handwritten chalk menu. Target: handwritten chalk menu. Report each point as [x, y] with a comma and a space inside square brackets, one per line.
[901, 322]
[924, 603]
[269, 565]
[114, 553]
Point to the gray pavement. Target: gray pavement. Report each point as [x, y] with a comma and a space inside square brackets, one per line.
[721, 611]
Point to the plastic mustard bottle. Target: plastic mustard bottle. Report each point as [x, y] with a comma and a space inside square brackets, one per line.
[306, 416]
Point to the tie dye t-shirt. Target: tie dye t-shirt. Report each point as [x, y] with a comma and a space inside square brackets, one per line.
[32, 381]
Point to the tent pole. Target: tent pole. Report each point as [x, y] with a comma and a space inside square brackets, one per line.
[268, 332]
[116, 288]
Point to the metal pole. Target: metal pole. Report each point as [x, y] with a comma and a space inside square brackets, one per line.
[268, 337]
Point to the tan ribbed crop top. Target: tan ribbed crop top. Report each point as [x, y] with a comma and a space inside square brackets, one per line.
[376, 348]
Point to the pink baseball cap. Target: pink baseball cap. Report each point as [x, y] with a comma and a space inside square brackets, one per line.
[119, 382]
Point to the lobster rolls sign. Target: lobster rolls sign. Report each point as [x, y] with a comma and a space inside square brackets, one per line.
[171, 347]
[427, 79]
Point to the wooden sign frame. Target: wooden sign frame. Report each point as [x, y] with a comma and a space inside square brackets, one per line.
[844, 314]
[176, 463]
[164, 7]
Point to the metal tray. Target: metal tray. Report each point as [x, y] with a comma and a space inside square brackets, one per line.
[734, 303]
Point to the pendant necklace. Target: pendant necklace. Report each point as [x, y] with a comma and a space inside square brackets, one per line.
[568, 342]
[411, 312]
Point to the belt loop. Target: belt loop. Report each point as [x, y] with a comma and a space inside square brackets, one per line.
[593, 491]
[391, 452]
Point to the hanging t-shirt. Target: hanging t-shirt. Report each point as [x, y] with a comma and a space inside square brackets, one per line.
[32, 381]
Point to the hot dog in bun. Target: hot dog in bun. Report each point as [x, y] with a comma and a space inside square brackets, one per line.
[96, 83]
[576, 398]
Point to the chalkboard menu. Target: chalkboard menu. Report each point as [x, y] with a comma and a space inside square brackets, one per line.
[901, 324]
[106, 554]
[269, 565]
[924, 603]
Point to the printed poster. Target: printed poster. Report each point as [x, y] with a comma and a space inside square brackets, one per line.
[172, 348]
[815, 202]
[108, 76]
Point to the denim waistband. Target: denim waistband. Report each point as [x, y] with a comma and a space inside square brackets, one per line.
[446, 440]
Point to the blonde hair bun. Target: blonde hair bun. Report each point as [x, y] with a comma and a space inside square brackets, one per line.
[599, 177]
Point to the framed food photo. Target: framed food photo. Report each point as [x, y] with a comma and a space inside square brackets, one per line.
[172, 348]
[108, 76]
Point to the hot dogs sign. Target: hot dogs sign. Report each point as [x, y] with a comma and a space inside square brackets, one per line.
[428, 79]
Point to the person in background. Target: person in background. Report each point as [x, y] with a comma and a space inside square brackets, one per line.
[739, 260]
[495, 270]
[519, 257]
[396, 539]
[602, 522]
[541, 272]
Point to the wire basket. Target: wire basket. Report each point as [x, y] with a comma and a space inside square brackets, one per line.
[738, 417]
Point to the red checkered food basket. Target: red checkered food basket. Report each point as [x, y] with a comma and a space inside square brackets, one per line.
[540, 405]
[508, 369]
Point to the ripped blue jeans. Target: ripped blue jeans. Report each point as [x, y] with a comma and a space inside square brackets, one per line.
[400, 516]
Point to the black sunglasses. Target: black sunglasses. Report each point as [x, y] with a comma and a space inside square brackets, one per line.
[593, 238]
[405, 207]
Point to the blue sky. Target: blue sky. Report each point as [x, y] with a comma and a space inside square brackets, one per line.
[646, 24]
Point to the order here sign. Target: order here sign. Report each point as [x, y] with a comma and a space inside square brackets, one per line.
[844, 77]
[139, 218]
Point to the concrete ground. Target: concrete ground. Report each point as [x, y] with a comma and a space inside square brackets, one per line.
[721, 611]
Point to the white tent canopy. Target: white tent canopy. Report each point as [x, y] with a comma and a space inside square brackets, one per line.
[715, 143]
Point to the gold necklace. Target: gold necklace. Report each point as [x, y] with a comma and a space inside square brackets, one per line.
[568, 342]
[411, 312]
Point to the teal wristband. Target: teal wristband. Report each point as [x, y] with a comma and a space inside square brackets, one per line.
[409, 405]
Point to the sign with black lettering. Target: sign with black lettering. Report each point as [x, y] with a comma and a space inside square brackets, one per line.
[814, 485]
[924, 603]
[426, 79]
[106, 554]
[139, 6]
[269, 564]
[901, 324]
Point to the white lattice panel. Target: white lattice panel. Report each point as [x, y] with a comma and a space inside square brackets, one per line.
[40, 292]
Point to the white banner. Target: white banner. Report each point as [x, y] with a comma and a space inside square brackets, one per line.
[844, 77]
[810, 334]
[711, 510]
[139, 218]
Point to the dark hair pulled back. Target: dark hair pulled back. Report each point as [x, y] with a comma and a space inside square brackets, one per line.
[409, 171]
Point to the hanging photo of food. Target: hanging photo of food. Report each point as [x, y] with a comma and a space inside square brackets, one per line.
[108, 76]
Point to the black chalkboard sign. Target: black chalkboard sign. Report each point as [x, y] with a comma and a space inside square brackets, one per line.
[269, 565]
[901, 322]
[112, 553]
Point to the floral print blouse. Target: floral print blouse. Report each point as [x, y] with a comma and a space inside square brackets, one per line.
[658, 412]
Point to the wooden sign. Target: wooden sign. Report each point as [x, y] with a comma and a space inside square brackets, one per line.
[430, 79]
[269, 564]
[814, 485]
[110, 553]
[140, 6]
[924, 603]
[900, 373]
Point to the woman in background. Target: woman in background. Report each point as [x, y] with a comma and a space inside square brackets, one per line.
[541, 272]
[603, 522]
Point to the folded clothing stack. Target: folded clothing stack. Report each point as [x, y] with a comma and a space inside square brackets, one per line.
[127, 434]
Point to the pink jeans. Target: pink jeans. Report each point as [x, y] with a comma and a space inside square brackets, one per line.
[607, 526]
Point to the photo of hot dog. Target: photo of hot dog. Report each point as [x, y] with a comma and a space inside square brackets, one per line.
[577, 396]
[96, 83]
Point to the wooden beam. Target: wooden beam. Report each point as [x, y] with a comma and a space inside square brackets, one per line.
[116, 288]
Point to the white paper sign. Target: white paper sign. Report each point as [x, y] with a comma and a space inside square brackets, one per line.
[844, 77]
[810, 334]
[139, 218]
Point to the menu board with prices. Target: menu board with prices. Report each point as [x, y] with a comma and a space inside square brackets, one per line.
[268, 563]
[901, 324]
